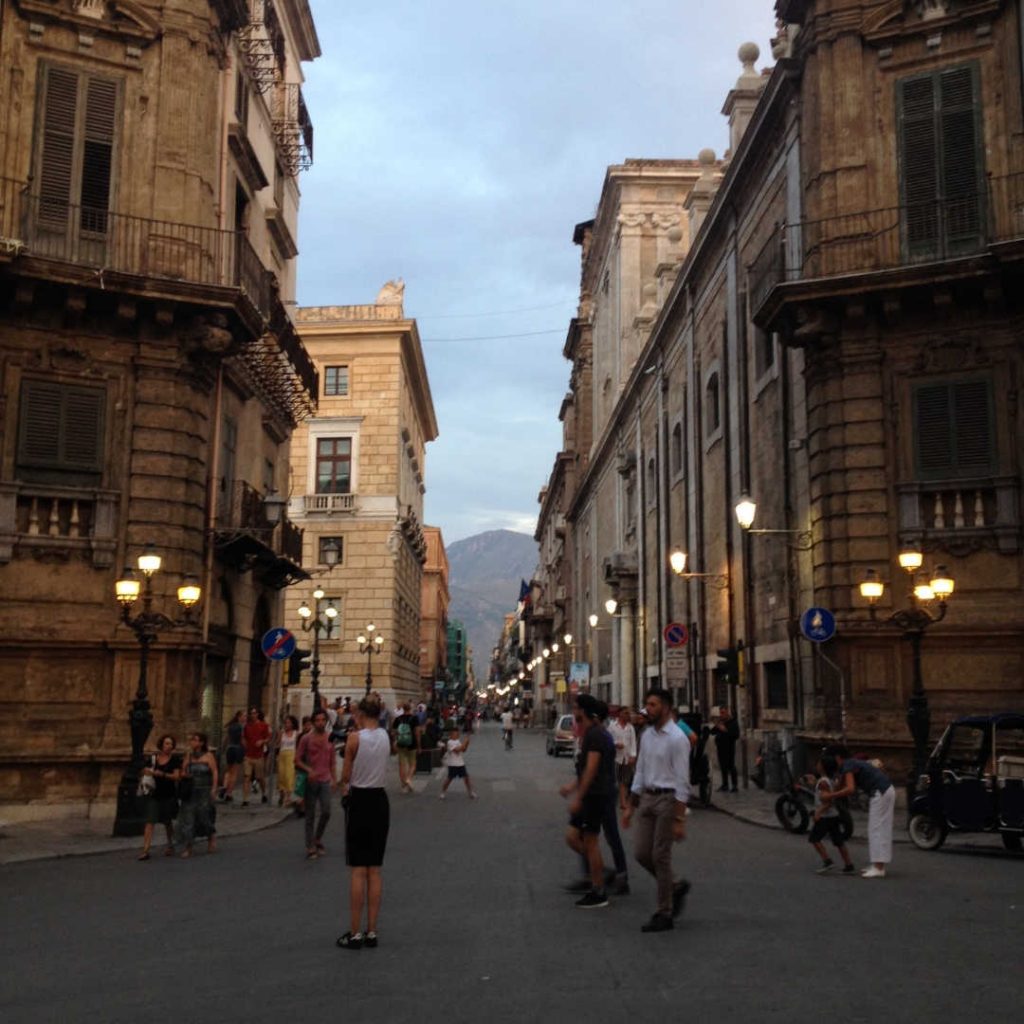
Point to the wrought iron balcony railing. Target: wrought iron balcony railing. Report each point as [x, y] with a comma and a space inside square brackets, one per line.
[117, 243]
[886, 239]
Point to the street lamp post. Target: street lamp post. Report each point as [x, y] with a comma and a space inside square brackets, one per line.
[370, 643]
[321, 623]
[912, 622]
[146, 626]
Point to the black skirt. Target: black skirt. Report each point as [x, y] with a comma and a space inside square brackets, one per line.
[367, 820]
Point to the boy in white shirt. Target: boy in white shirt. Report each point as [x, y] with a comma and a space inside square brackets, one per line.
[454, 758]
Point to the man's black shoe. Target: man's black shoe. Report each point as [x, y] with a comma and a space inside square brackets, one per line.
[621, 885]
[679, 897]
[580, 885]
[609, 876]
[658, 923]
[593, 899]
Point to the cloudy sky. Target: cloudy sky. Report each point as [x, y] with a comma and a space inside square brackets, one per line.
[457, 145]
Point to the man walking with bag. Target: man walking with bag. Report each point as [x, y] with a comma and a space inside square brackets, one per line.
[658, 797]
[315, 757]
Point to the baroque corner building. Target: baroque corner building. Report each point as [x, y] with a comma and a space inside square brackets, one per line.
[151, 375]
[839, 340]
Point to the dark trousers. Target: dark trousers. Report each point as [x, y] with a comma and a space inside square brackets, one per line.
[318, 794]
[610, 827]
[727, 765]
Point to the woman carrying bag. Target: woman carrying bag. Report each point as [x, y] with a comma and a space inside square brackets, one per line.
[197, 816]
[160, 793]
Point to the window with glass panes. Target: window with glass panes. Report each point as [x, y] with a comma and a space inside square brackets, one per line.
[336, 381]
[334, 465]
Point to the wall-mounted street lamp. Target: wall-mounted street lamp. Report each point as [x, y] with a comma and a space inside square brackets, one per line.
[746, 512]
[677, 561]
[321, 622]
[912, 621]
[370, 643]
[146, 626]
[611, 606]
[593, 620]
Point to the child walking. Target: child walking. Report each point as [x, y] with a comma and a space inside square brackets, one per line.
[455, 759]
[826, 818]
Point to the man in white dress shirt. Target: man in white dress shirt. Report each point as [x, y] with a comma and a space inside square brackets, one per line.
[658, 796]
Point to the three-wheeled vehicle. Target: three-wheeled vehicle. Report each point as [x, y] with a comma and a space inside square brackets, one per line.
[973, 782]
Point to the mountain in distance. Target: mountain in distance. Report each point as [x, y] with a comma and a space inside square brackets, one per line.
[485, 572]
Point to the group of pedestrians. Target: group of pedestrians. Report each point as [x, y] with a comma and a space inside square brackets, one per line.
[177, 793]
[650, 781]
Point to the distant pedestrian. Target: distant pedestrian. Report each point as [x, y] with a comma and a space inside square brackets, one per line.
[314, 755]
[507, 724]
[234, 755]
[300, 775]
[594, 785]
[287, 741]
[727, 734]
[624, 736]
[826, 817]
[256, 740]
[197, 816]
[406, 740]
[659, 795]
[367, 821]
[455, 759]
[865, 775]
[161, 802]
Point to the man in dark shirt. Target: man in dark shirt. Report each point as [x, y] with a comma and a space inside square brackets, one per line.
[405, 738]
[727, 733]
[594, 784]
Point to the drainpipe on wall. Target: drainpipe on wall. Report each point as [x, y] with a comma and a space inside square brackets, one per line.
[210, 524]
[696, 486]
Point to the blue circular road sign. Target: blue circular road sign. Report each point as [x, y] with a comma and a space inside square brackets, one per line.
[818, 625]
[278, 644]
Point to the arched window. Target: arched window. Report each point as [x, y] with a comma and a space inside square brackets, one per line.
[712, 407]
[676, 450]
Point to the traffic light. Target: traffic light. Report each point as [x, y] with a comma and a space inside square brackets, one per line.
[297, 664]
[728, 666]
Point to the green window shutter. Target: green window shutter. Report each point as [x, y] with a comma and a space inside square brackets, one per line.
[82, 429]
[941, 163]
[953, 430]
[961, 171]
[932, 430]
[98, 152]
[39, 424]
[918, 164]
[57, 161]
[61, 427]
[972, 419]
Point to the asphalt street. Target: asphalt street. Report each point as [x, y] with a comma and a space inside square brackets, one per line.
[475, 925]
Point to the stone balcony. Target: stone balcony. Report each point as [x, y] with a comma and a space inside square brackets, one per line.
[328, 504]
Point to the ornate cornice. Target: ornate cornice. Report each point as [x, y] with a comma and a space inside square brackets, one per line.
[119, 19]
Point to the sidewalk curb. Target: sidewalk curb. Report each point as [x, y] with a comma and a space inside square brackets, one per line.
[102, 847]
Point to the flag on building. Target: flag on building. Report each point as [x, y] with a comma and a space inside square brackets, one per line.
[524, 597]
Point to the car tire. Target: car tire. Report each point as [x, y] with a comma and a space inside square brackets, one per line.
[1012, 841]
[926, 832]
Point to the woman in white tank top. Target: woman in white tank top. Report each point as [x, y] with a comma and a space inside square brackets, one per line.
[367, 820]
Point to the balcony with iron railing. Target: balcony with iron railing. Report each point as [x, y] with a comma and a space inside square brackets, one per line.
[176, 261]
[875, 241]
[245, 539]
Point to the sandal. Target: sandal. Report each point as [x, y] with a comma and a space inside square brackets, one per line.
[143, 856]
[185, 854]
[168, 851]
[350, 941]
[320, 848]
[311, 855]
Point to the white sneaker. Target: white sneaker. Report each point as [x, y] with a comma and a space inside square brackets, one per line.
[442, 796]
[873, 872]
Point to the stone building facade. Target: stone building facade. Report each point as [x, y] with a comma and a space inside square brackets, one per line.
[357, 480]
[839, 342]
[434, 602]
[151, 376]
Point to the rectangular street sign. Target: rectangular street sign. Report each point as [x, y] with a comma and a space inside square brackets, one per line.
[675, 665]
